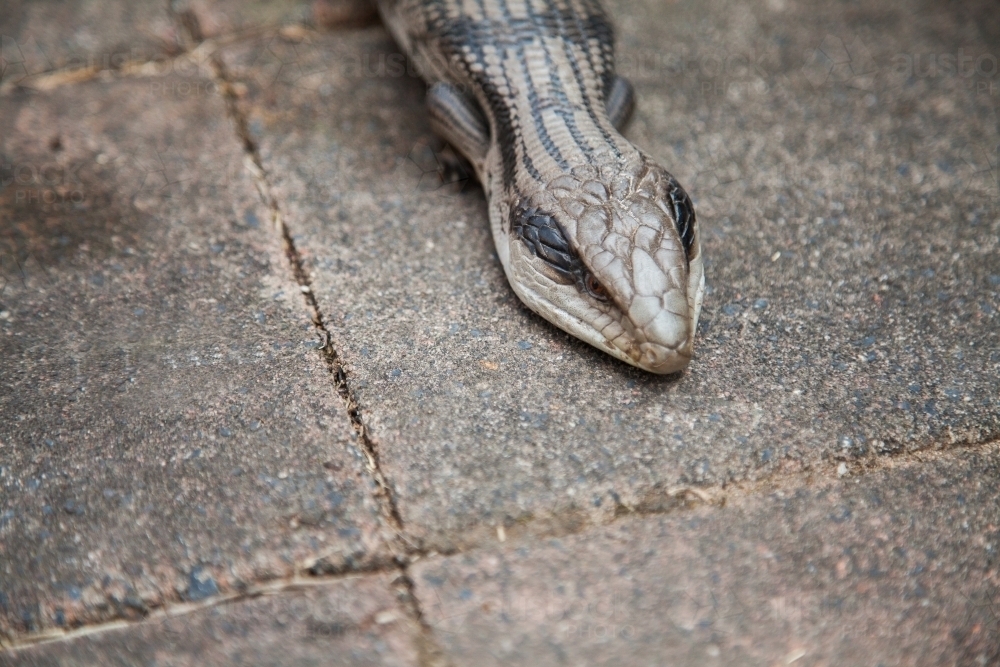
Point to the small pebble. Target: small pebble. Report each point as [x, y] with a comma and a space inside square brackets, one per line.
[385, 617]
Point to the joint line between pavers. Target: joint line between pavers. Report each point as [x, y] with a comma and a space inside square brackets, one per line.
[330, 356]
[297, 582]
[687, 498]
[429, 649]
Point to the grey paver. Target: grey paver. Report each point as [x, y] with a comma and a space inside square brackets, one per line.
[168, 429]
[850, 220]
[169, 433]
[895, 568]
[355, 622]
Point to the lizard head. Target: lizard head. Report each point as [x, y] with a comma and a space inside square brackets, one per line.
[611, 255]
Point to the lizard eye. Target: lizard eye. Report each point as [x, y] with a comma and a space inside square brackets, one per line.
[595, 288]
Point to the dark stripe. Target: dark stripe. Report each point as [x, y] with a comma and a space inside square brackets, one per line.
[510, 36]
[600, 25]
[557, 85]
[532, 34]
[467, 32]
[684, 218]
[464, 33]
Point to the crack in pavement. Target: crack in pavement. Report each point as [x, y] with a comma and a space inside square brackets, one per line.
[685, 499]
[297, 582]
[404, 549]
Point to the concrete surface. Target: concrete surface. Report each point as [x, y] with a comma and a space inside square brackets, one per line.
[814, 490]
[169, 430]
[895, 568]
[850, 233]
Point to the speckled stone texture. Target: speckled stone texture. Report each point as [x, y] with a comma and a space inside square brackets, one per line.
[850, 217]
[169, 430]
[356, 622]
[896, 568]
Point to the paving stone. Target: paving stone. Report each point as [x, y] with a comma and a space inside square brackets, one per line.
[850, 222]
[893, 568]
[355, 622]
[169, 429]
[39, 37]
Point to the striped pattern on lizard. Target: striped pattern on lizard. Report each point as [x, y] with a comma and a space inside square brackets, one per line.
[593, 235]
